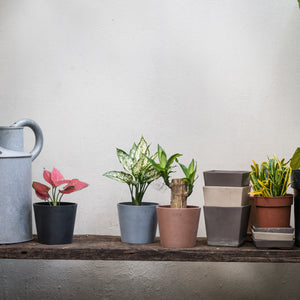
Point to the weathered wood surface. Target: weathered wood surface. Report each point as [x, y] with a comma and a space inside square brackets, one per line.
[96, 247]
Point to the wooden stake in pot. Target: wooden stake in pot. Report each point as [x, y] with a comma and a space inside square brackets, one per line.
[179, 193]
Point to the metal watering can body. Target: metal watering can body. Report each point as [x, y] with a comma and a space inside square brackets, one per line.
[16, 180]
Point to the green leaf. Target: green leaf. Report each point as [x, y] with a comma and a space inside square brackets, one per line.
[150, 175]
[191, 167]
[171, 159]
[159, 150]
[138, 167]
[142, 148]
[132, 151]
[154, 164]
[120, 176]
[125, 160]
[184, 169]
[163, 159]
[295, 161]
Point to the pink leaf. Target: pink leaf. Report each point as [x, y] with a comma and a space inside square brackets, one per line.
[73, 185]
[56, 176]
[41, 190]
[60, 182]
[47, 177]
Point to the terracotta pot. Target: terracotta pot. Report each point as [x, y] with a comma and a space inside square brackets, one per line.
[273, 211]
[178, 227]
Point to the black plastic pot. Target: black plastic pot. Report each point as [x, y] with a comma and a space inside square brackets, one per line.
[55, 224]
[295, 180]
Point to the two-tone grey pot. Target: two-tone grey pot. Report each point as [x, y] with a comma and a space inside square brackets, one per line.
[138, 224]
[226, 226]
[226, 178]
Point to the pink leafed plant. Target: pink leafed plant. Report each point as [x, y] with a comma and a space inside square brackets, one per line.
[54, 194]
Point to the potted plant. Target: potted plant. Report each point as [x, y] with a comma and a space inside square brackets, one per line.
[295, 183]
[270, 181]
[178, 222]
[55, 219]
[137, 219]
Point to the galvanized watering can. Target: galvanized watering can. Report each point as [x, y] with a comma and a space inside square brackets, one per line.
[15, 181]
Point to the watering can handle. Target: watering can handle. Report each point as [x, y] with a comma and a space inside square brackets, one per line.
[37, 132]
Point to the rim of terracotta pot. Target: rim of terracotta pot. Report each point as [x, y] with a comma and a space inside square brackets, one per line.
[286, 200]
[189, 207]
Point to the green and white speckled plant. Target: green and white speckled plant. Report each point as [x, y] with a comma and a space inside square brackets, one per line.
[139, 172]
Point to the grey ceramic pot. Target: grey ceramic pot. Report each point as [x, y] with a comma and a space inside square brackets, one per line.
[138, 224]
[226, 178]
[226, 226]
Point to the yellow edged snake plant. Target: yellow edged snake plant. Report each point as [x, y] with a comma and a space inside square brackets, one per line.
[271, 178]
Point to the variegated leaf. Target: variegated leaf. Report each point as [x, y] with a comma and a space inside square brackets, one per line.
[142, 148]
[150, 175]
[132, 151]
[120, 176]
[125, 160]
[138, 167]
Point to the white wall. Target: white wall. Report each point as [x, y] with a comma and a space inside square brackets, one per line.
[215, 80]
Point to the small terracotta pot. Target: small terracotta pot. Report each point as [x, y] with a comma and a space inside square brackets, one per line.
[273, 211]
[178, 227]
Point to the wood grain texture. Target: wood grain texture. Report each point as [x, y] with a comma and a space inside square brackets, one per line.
[96, 247]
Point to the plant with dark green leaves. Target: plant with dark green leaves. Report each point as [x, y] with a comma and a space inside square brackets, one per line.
[271, 178]
[295, 160]
[166, 165]
[139, 171]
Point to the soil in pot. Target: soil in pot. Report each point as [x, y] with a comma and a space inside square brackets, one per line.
[178, 227]
[273, 211]
[55, 224]
[138, 224]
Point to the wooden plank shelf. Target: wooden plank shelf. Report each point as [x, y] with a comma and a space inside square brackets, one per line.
[100, 247]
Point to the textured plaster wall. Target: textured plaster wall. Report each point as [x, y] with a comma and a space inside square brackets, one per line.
[215, 80]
